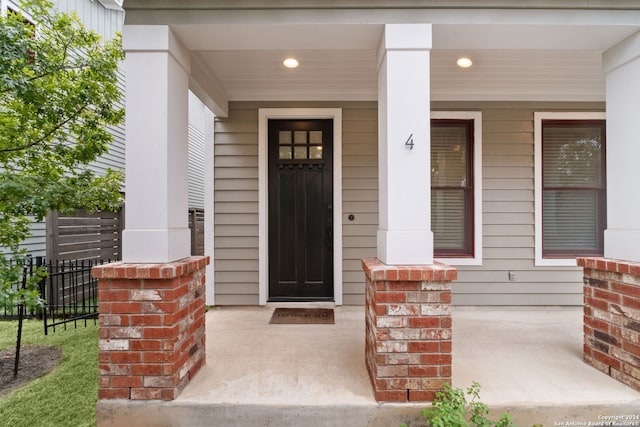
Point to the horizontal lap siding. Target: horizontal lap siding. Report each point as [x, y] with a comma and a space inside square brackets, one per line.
[236, 198]
[508, 214]
[508, 206]
[236, 206]
[359, 195]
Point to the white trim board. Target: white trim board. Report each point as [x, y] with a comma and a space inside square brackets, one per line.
[538, 117]
[476, 116]
[264, 114]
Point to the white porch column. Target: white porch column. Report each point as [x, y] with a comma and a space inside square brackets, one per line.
[157, 73]
[405, 236]
[622, 69]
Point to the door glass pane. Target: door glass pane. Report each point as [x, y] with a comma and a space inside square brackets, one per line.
[300, 152]
[284, 137]
[315, 137]
[285, 152]
[315, 152]
[300, 137]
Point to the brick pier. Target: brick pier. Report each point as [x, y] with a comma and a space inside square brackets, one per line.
[612, 318]
[152, 339]
[408, 329]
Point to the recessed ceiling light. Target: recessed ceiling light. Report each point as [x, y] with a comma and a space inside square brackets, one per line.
[291, 63]
[464, 62]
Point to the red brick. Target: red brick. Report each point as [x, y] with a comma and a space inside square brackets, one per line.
[126, 357]
[122, 284]
[445, 297]
[606, 295]
[423, 371]
[146, 319]
[436, 359]
[145, 345]
[113, 295]
[631, 348]
[146, 369]
[424, 322]
[631, 302]
[445, 371]
[126, 307]
[146, 394]
[606, 359]
[596, 323]
[445, 322]
[421, 395]
[163, 332]
[385, 297]
[424, 347]
[391, 396]
[597, 303]
[155, 356]
[113, 393]
[625, 289]
[403, 285]
[445, 346]
[172, 294]
[129, 381]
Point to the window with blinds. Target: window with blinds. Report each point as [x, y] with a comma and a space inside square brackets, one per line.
[573, 188]
[452, 187]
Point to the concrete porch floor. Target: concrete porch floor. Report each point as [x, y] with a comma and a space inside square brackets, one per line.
[527, 360]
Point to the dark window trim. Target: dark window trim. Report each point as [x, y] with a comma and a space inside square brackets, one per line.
[468, 251]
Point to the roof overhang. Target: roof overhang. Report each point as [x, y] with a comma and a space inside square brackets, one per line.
[525, 50]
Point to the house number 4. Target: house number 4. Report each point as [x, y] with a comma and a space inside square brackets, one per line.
[409, 142]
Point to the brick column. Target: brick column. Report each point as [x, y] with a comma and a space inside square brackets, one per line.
[612, 318]
[408, 329]
[152, 339]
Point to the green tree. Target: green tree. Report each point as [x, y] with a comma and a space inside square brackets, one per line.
[58, 96]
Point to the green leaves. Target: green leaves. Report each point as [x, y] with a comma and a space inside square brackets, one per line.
[452, 408]
[59, 95]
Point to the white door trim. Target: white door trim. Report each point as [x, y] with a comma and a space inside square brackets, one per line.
[264, 114]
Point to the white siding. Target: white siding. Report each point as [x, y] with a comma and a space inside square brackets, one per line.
[196, 152]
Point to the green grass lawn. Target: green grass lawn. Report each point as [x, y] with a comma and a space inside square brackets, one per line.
[68, 395]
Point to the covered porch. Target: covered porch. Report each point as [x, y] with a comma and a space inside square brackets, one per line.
[391, 66]
[528, 361]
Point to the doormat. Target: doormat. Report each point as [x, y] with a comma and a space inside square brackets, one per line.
[303, 316]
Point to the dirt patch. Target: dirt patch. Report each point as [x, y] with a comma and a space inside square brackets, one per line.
[35, 361]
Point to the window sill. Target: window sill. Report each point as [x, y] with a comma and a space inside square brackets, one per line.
[460, 261]
[556, 262]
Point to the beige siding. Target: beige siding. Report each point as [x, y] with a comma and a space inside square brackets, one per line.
[236, 207]
[236, 198]
[508, 206]
[360, 195]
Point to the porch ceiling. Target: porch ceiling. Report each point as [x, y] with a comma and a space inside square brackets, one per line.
[338, 61]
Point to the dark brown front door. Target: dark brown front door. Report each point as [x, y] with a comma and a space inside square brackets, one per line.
[300, 210]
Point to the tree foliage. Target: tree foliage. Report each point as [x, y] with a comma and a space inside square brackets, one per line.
[58, 96]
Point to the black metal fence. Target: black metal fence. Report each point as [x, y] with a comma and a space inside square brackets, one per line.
[69, 292]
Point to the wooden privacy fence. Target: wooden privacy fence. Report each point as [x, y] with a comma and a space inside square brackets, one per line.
[85, 235]
[98, 235]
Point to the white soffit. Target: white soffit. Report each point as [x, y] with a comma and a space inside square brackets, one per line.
[337, 61]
